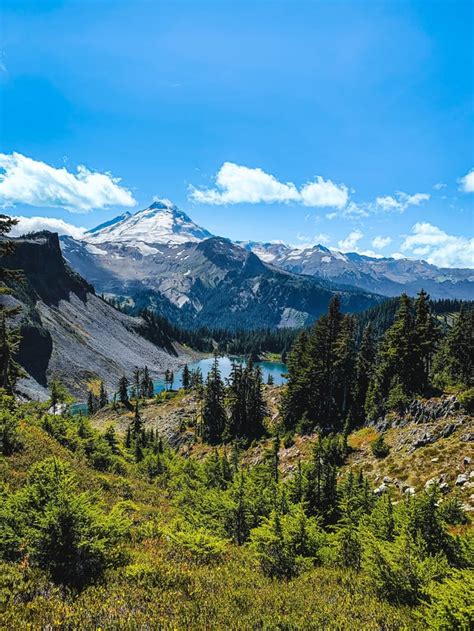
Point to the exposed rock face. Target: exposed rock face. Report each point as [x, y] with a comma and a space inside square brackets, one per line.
[420, 411]
[67, 330]
[211, 282]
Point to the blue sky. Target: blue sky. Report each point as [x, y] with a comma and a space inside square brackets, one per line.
[348, 123]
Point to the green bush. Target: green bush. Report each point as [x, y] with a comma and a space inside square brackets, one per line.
[450, 604]
[62, 530]
[379, 447]
[466, 399]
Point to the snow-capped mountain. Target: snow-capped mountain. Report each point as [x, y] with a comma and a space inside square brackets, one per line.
[158, 257]
[162, 222]
[110, 223]
[386, 276]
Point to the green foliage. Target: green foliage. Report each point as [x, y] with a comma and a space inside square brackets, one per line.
[63, 531]
[466, 399]
[273, 549]
[10, 439]
[450, 603]
[379, 447]
[214, 541]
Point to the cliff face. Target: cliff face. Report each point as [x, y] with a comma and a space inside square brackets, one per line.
[70, 333]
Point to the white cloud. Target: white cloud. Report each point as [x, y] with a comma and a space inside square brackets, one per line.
[439, 247]
[380, 242]
[237, 184]
[27, 181]
[467, 182]
[349, 243]
[439, 186]
[36, 224]
[400, 201]
[324, 193]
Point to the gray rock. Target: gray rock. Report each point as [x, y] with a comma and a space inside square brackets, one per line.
[381, 489]
[444, 487]
[410, 490]
[466, 460]
[467, 438]
[461, 479]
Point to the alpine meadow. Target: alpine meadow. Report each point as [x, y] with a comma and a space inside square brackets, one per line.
[236, 315]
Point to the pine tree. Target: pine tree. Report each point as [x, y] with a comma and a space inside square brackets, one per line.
[10, 338]
[213, 414]
[111, 438]
[91, 404]
[123, 390]
[136, 382]
[459, 349]
[427, 335]
[10, 369]
[186, 378]
[275, 458]
[146, 385]
[363, 373]
[103, 396]
[396, 363]
[137, 423]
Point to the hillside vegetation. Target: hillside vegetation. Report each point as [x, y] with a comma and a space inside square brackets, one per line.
[95, 534]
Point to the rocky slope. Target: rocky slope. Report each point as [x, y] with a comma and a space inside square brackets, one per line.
[70, 332]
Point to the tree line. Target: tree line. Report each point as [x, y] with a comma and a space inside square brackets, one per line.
[334, 379]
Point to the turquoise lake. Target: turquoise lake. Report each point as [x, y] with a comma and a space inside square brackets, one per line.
[275, 369]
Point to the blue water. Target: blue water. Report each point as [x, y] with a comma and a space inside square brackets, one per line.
[276, 369]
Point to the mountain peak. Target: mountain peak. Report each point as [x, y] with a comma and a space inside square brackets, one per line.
[161, 222]
[162, 204]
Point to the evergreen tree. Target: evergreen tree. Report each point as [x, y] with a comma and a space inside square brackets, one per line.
[427, 335]
[123, 390]
[363, 373]
[213, 414]
[397, 363]
[186, 378]
[10, 369]
[91, 402]
[455, 358]
[137, 423]
[103, 396]
[136, 383]
[146, 385]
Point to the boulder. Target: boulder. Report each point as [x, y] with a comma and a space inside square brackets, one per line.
[444, 487]
[410, 490]
[461, 479]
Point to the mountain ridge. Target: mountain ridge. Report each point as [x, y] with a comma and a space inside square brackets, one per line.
[164, 223]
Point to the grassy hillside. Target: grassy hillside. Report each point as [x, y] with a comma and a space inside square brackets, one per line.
[170, 558]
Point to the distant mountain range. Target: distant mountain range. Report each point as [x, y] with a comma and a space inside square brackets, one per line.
[159, 258]
[386, 276]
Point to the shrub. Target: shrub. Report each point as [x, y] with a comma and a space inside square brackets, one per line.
[379, 447]
[63, 531]
[466, 399]
[450, 604]
[10, 440]
[276, 556]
